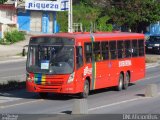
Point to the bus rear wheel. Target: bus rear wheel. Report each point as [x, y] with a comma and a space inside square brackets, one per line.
[120, 83]
[126, 81]
[85, 92]
[43, 95]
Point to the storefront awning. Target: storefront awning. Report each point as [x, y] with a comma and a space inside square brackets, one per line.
[6, 21]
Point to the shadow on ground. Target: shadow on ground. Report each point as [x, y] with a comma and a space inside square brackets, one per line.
[17, 90]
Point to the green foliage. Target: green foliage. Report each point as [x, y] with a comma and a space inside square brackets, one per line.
[62, 18]
[135, 14]
[12, 85]
[2, 1]
[102, 24]
[130, 14]
[14, 36]
[85, 15]
[81, 14]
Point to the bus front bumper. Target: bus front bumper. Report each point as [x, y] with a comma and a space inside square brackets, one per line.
[64, 89]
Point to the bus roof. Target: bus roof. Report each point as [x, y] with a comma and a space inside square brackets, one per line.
[97, 35]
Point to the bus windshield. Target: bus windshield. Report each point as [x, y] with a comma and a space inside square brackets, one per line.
[51, 59]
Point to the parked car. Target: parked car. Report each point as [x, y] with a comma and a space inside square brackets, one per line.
[153, 44]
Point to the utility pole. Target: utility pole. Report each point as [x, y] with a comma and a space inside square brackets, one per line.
[70, 17]
[16, 3]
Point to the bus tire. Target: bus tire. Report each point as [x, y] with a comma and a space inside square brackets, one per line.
[85, 92]
[43, 95]
[126, 81]
[120, 83]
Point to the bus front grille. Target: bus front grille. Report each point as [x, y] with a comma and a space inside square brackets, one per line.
[50, 83]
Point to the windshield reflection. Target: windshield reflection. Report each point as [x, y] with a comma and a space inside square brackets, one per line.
[58, 59]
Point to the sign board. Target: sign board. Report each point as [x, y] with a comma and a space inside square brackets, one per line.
[61, 5]
[42, 5]
[64, 5]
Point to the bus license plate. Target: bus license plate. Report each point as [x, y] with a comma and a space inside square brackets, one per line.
[149, 47]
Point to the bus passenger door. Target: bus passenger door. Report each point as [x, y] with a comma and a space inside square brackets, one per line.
[79, 69]
[101, 64]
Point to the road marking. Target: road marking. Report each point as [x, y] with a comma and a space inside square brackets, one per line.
[152, 77]
[13, 61]
[13, 69]
[14, 76]
[117, 103]
[151, 66]
[2, 107]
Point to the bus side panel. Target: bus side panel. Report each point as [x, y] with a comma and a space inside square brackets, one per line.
[79, 80]
[114, 73]
[138, 71]
[102, 75]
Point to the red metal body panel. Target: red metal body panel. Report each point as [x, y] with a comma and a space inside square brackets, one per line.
[107, 71]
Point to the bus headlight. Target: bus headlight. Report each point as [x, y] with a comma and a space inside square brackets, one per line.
[71, 78]
[28, 78]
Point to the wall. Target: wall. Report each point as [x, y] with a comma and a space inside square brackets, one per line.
[23, 20]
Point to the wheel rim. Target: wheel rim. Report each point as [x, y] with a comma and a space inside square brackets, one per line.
[121, 82]
[86, 89]
[126, 81]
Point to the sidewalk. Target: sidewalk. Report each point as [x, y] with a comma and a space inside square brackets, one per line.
[13, 52]
[14, 49]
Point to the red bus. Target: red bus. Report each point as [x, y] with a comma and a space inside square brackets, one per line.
[75, 63]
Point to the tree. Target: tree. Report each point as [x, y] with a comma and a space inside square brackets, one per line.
[134, 14]
[2, 1]
[103, 24]
[81, 14]
[86, 15]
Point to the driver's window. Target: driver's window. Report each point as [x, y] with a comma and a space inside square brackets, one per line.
[79, 57]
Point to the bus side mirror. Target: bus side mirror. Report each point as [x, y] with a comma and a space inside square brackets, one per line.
[24, 51]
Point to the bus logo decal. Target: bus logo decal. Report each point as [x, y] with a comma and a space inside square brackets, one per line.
[87, 71]
[125, 63]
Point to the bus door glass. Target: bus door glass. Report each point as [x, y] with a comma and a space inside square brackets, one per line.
[79, 64]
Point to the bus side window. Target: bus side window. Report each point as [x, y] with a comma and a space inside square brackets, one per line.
[88, 52]
[105, 50]
[79, 57]
[112, 50]
[141, 47]
[128, 50]
[120, 49]
[134, 48]
[97, 51]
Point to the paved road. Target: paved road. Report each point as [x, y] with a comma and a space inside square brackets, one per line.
[101, 101]
[11, 71]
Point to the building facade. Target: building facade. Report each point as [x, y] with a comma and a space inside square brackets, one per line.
[8, 18]
[40, 16]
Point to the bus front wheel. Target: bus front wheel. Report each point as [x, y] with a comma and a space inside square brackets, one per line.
[85, 92]
[120, 83]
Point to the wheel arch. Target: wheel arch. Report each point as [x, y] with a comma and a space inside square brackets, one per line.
[129, 72]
